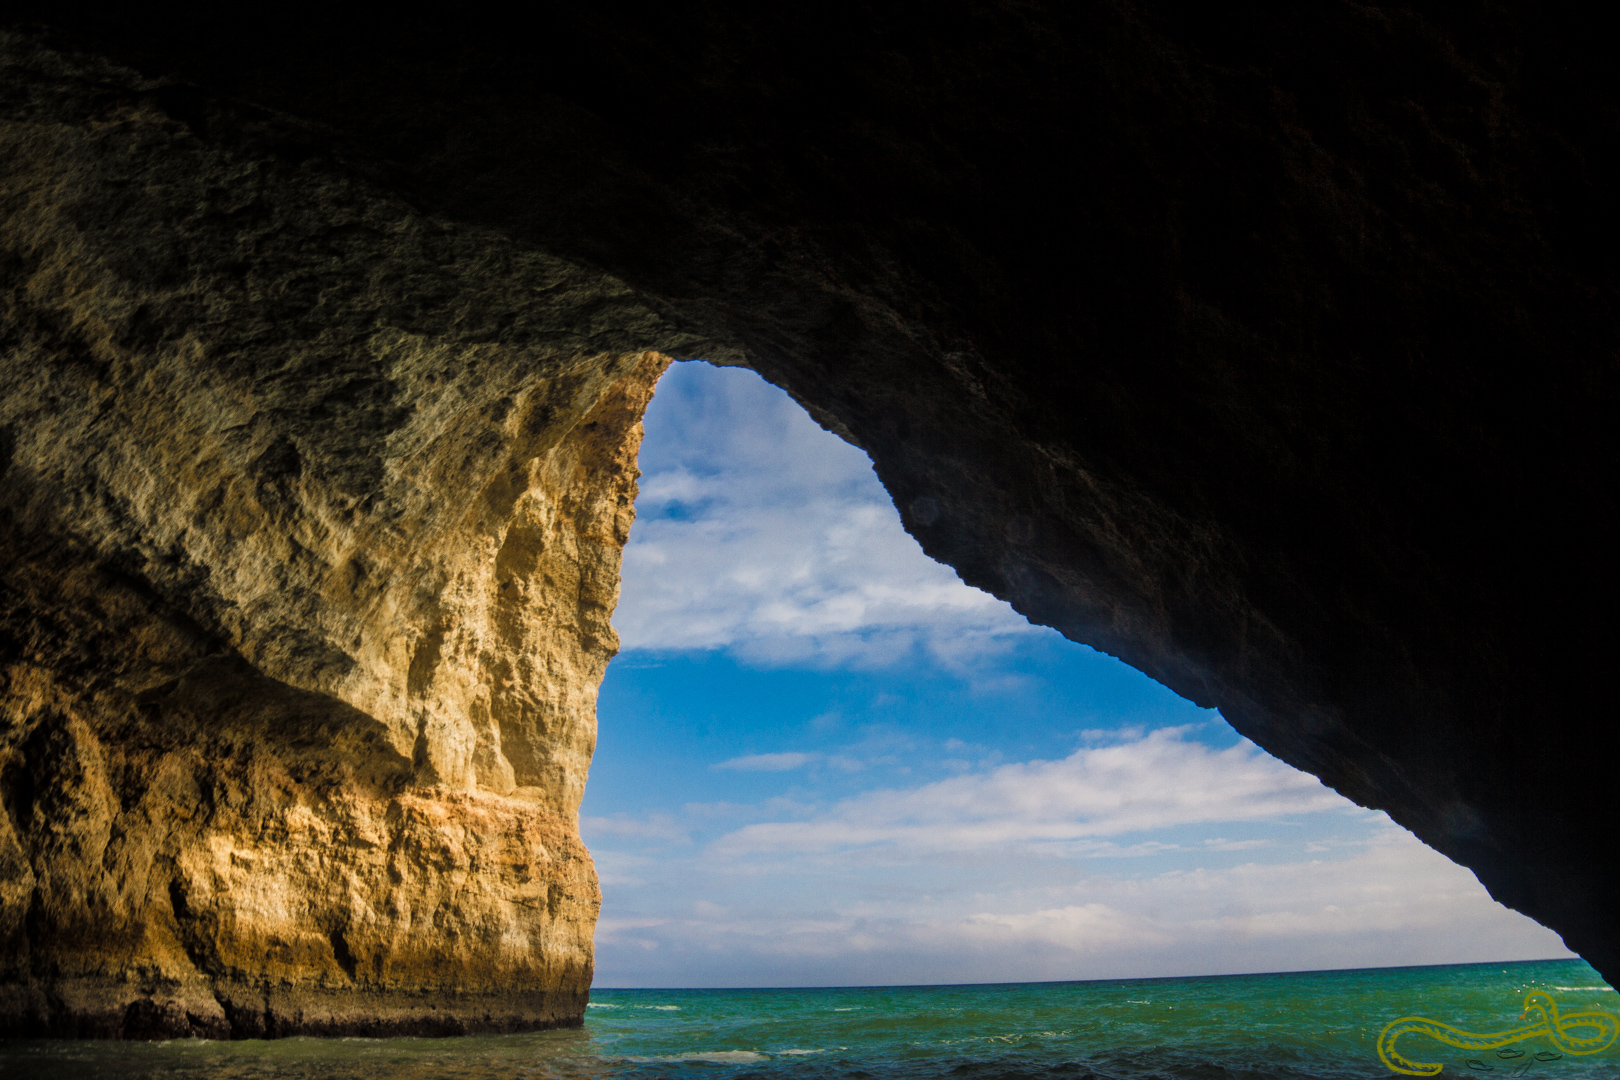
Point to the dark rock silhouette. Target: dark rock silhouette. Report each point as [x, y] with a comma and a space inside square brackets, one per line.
[1270, 349]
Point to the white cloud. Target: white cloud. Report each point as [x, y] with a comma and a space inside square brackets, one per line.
[655, 826]
[789, 762]
[769, 762]
[1221, 843]
[1118, 860]
[760, 532]
[1158, 781]
[1390, 901]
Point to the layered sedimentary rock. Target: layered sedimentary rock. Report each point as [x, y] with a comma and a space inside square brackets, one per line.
[1270, 348]
[311, 541]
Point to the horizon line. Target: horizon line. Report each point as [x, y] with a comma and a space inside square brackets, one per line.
[1126, 978]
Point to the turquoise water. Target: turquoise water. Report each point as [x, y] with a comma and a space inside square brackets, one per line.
[1310, 1024]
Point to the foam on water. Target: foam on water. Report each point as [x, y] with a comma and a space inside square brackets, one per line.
[1242, 1027]
[723, 1057]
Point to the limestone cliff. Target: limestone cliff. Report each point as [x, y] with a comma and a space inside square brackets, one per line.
[311, 550]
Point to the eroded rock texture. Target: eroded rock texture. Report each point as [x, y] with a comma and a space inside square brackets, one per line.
[312, 515]
[1269, 347]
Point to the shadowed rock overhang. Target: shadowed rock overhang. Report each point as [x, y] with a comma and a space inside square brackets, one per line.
[1270, 349]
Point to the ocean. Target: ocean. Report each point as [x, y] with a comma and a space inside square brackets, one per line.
[1232, 1027]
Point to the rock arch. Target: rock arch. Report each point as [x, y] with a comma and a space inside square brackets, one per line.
[1275, 357]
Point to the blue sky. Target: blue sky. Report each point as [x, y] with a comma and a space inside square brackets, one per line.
[823, 760]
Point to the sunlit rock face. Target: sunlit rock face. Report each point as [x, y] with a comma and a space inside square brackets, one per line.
[1269, 349]
[312, 511]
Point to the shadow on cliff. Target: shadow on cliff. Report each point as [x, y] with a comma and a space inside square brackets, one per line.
[116, 787]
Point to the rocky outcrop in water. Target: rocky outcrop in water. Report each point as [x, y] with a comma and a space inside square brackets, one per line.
[1269, 349]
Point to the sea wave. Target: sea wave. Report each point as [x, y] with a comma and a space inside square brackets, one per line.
[720, 1057]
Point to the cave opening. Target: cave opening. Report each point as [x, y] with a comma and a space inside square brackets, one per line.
[824, 760]
[314, 439]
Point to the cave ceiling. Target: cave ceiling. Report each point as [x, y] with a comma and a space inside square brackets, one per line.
[1269, 348]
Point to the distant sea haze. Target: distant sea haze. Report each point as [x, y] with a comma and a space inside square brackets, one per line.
[1296, 1025]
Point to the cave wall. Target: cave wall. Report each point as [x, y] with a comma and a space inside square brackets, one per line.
[312, 541]
[1270, 348]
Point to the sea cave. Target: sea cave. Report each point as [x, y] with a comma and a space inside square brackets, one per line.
[1269, 350]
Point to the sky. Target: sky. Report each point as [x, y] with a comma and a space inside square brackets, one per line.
[824, 760]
